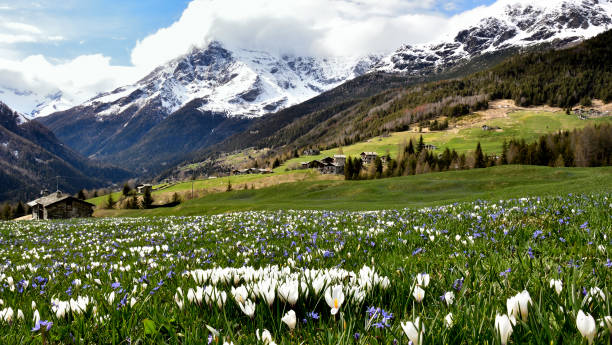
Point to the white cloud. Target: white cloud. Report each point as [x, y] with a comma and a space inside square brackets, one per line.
[307, 27]
[23, 27]
[15, 32]
[78, 79]
[16, 38]
[304, 27]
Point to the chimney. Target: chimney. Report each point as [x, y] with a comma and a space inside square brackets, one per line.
[59, 194]
[44, 192]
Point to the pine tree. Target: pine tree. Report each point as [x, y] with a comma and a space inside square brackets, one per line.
[126, 190]
[147, 198]
[410, 149]
[504, 155]
[421, 145]
[479, 159]
[229, 186]
[81, 195]
[348, 169]
[110, 201]
[379, 167]
[20, 210]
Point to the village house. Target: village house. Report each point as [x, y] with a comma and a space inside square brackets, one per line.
[332, 168]
[60, 206]
[142, 188]
[311, 152]
[430, 147]
[316, 165]
[340, 159]
[327, 165]
[251, 171]
[368, 157]
[327, 160]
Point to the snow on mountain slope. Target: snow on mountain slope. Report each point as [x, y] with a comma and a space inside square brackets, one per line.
[235, 83]
[32, 104]
[506, 24]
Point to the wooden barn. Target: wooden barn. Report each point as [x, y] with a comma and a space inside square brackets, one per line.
[60, 206]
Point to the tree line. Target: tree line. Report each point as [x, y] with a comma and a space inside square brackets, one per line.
[587, 147]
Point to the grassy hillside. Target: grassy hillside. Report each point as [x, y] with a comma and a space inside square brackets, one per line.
[220, 184]
[413, 191]
[523, 124]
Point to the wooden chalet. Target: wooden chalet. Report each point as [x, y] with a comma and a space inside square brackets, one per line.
[368, 157]
[60, 206]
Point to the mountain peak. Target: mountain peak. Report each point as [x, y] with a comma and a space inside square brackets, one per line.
[237, 82]
[506, 24]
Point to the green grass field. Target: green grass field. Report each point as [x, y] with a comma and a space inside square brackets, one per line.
[220, 184]
[522, 124]
[526, 125]
[411, 191]
[534, 271]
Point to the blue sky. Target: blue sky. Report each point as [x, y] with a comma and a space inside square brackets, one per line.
[112, 27]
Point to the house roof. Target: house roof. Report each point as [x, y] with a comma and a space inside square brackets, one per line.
[54, 198]
[370, 153]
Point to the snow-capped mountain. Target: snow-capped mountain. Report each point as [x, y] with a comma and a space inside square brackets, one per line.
[197, 100]
[32, 104]
[516, 23]
[235, 83]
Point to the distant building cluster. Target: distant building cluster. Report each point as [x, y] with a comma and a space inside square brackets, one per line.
[335, 165]
[251, 171]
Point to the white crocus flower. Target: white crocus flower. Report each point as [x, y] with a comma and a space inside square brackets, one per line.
[418, 293]
[607, 322]
[503, 327]
[265, 337]
[248, 308]
[423, 279]
[334, 296]
[289, 319]
[36, 318]
[240, 294]
[7, 314]
[519, 304]
[414, 330]
[557, 285]
[111, 297]
[289, 292]
[448, 320]
[449, 297]
[586, 325]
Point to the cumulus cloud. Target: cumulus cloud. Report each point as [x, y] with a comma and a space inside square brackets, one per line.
[31, 79]
[304, 27]
[301, 27]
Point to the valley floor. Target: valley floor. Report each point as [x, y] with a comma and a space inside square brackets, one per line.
[433, 189]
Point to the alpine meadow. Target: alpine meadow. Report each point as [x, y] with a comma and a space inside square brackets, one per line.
[306, 172]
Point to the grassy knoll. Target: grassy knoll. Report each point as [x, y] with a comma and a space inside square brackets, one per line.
[528, 125]
[411, 191]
